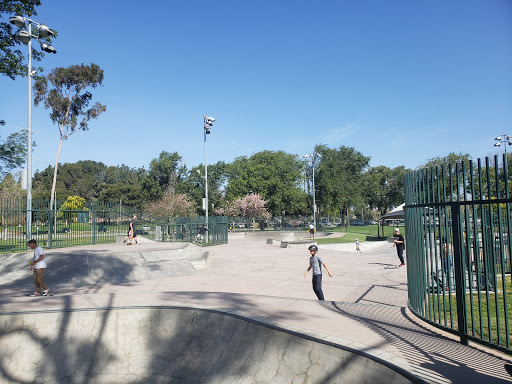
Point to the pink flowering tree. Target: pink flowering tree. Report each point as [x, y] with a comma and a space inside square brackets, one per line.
[251, 206]
[173, 205]
[229, 208]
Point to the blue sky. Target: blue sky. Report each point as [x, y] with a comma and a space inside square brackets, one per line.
[401, 81]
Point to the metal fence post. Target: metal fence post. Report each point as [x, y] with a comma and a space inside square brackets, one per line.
[93, 226]
[50, 231]
[460, 273]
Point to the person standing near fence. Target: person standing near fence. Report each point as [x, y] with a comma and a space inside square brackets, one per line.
[316, 264]
[446, 256]
[38, 265]
[311, 231]
[200, 234]
[399, 243]
[132, 230]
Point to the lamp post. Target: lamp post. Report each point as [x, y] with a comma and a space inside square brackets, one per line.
[312, 158]
[504, 139]
[25, 36]
[208, 123]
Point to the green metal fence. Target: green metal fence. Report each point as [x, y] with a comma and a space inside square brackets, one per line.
[458, 247]
[188, 229]
[73, 223]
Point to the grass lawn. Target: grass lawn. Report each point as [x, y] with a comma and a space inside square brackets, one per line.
[485, 328]
[362, 233]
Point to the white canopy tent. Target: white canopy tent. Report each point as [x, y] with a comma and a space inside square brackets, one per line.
[397, 213]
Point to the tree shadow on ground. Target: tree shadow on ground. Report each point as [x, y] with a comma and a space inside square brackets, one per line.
[90, 269]
[376, 238]
[423, 347]
[154, 345]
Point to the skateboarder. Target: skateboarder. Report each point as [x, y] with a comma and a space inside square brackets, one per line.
[357, 246]
[39, 268]
[202, 231]
[132, 231]
[316, 263]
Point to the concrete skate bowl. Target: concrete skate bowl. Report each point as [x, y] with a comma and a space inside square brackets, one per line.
[172, 345]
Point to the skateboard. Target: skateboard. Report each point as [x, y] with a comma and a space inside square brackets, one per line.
[32, 295]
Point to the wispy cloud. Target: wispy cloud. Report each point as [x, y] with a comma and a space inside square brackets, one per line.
[336, 135]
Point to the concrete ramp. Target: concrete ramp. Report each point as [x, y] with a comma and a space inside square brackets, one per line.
[298, 244]
[172, 345]
[78, 268]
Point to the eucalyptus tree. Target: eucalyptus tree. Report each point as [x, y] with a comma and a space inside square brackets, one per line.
[65, 92]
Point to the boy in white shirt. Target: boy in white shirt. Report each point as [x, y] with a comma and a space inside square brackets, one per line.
[357, 246]
[39, 267]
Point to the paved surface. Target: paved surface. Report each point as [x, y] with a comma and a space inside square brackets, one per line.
[365, 307]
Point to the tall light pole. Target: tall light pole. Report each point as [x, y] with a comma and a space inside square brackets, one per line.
[26, 36]
[312, 158]
[503, 139]
[208, 123]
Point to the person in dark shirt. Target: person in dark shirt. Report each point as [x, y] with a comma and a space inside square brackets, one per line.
[132, 231]
[200, 234]
[399, 243]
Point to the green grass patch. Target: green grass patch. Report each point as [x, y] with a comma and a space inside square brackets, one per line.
[362, 233]
[369, 230]
[347, 238]
[483, 314]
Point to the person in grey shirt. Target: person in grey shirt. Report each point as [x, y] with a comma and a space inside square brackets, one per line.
[315, 263]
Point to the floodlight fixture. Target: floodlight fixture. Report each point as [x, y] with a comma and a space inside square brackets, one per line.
[24, 36]
[47, 47]
[18, 21]
[503, 139]
[44, 31]
[208, 123]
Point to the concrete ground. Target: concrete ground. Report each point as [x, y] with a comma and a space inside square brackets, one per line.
[365, 307]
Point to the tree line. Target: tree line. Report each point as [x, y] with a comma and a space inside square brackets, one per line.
[344, 181]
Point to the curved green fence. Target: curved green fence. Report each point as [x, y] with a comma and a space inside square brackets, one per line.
[458, 220]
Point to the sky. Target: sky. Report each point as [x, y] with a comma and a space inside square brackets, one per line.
[400, 81]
